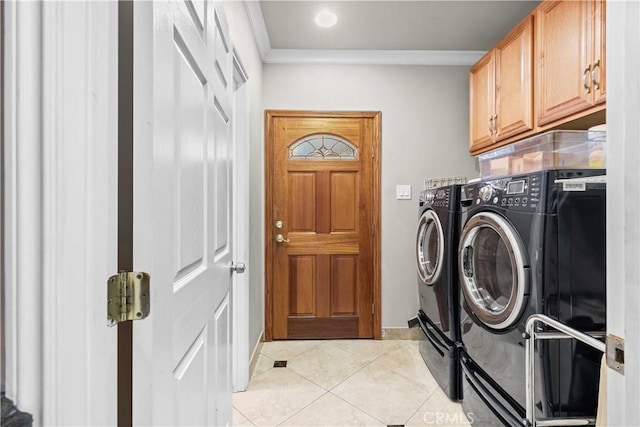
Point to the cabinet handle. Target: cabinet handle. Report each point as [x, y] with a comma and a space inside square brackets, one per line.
[491, 126]
[595, 75]
[586, 83]
[495, 125]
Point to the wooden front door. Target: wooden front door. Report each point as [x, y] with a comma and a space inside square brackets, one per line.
[322, 225]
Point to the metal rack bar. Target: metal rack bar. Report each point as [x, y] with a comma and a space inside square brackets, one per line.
[560, 335]
[531, 336]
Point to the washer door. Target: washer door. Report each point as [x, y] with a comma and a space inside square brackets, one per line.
[429, 247]
[493, 270]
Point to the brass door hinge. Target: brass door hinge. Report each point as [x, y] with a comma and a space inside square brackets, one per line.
[127, 297]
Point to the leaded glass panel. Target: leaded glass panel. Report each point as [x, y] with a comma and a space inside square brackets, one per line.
[323, 147]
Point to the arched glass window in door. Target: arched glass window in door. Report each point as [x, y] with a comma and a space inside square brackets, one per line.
[323, 147]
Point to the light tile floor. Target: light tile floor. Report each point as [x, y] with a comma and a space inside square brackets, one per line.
[344, 383]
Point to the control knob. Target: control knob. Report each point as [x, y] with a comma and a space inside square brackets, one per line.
[429, 197]
[486, 193]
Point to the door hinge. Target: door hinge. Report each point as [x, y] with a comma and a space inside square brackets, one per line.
[127, 297]
[373, 229]
[373, 309]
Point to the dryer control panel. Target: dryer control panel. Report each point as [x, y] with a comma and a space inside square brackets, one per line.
[438, 197]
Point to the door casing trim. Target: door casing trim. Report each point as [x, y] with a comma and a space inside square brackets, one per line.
[270, 115]
[60, 209]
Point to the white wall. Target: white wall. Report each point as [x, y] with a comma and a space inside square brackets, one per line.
[244, 44]
[424, 134]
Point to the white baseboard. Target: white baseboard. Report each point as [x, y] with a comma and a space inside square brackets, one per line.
[256, 352]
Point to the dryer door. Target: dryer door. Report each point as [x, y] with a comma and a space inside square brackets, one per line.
[429, 247]
[494, 270]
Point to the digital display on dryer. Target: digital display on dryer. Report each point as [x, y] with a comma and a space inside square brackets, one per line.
[516, 187]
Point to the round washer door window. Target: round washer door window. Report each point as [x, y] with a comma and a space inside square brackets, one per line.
[493, 269]
[429, 247]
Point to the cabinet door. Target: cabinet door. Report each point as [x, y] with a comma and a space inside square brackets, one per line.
[514, 81]
[563, 59]
[481, 102]
[599, 52]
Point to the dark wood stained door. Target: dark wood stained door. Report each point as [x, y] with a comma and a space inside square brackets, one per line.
[322, 226]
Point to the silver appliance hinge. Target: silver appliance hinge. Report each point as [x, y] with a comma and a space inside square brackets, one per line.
[128, 297]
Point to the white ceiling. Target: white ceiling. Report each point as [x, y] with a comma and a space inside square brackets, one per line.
[413, 32]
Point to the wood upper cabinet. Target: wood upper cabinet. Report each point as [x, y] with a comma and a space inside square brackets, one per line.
[482, 102]
[598, 74]
[501, 93]
[514, 82]
[570, 58]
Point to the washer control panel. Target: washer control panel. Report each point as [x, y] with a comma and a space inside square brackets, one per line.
[521, 193]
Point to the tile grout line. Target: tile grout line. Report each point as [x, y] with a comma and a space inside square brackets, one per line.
[305, 407]
[395, 372]
[327, 391]
[256, 376]
[330, 390]
[363, 367]
[260, 373]
[356, 372]
[320, 342]
[241, 413]
[358, 409]
[359, 370]
[300, 376]
[296, 373]
[414, 380]
[419, 406]
[368, 362]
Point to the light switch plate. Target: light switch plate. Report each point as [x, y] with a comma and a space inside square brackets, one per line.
[403, 192]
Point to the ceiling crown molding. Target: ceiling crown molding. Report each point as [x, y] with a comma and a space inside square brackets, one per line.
[349, 56]
[256, 20]
[373, 57]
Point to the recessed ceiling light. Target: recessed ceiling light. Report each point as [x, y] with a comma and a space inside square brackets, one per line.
[325, 18]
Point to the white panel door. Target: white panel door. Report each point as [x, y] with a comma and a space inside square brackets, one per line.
[182, 206]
